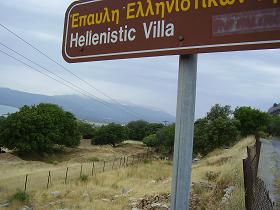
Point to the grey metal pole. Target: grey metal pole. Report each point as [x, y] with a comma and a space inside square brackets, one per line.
[183, 148]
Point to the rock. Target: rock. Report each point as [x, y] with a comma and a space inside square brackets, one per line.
[126, 191]
[55, 194]
[153, 181]
[26, 208]
[85, 195]
[134, 209]
[5, 205]
[106, 200]
[159, 206]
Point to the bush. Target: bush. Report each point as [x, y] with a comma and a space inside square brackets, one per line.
[252, 121]
[163, 140]
[151, 141]
[86, 130]
[216, 130]
[112, 134]
[39, 129]
[275, 126]
[20, 196]
[83, 178]
[137, 130]
[166, 137]
[153, 128]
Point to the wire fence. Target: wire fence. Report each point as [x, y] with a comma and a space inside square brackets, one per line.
[46, 179]
[256, 194]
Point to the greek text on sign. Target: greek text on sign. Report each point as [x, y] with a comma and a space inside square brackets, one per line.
[111, 29]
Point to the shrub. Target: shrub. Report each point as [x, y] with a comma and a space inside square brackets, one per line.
[20, 196]
[94, 159]
[86, 130]
[112, 134]
[137, 130]
[83, 178]
[252, 121]
[216, 130]
[275, 126]
[37, 129]
[151, 141]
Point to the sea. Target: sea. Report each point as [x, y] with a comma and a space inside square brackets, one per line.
[7, 109]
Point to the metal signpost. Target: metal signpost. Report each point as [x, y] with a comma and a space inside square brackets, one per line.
[108, 29]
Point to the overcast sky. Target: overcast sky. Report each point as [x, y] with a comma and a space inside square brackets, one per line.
[237, 78]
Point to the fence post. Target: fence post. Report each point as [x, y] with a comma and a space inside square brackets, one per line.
[25, 185]
[120, 161]
[124, 161]
[93, 169]
[132, 159]
[113, 163]
[104, 166]
[49, 180]
[127, 161]
[66, 175]
[81, 171]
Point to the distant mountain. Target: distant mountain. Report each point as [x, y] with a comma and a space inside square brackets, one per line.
[85, 108]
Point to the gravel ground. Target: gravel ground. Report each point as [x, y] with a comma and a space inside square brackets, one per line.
[269, 165]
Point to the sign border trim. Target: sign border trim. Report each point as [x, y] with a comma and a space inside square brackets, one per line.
[150, 51]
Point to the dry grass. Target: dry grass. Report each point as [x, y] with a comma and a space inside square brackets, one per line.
[104, 191]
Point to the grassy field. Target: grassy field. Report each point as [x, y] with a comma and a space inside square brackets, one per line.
[119, 189]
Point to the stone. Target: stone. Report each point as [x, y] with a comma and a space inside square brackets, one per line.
[26, 208]
[153, 181]
[55, 194]
[5, 205]
[126, 191]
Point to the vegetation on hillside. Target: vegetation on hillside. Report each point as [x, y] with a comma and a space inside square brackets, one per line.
[252, 121]
[39, 129]
[274, 128]
[86, 130]
[138, 130]
[221, 127]
[112, 134]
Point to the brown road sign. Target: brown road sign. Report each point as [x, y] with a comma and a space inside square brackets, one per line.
[114, 29]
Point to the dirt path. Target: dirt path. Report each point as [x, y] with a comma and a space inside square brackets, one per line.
[269, 166]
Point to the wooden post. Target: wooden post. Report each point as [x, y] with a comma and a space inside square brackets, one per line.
[81, 171]
[66, 175]
[120, 161]
[93, 169]
[113, 163]
[104, 166]
[25, 185]
[49, 180]
[126, 162]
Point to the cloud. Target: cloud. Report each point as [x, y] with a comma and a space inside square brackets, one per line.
[42, 7]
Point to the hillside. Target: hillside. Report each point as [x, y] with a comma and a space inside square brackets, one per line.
[85, 108]
[217, 181]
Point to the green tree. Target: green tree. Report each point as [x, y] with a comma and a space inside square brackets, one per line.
[151, 141]
[252, 121]
[112, 134]
[219, 111]
[86, 130]
[2, 119]
[137, 129]
[275, 126]
[152, 128]
[166, 137]
[217, 129]
[39, 128]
